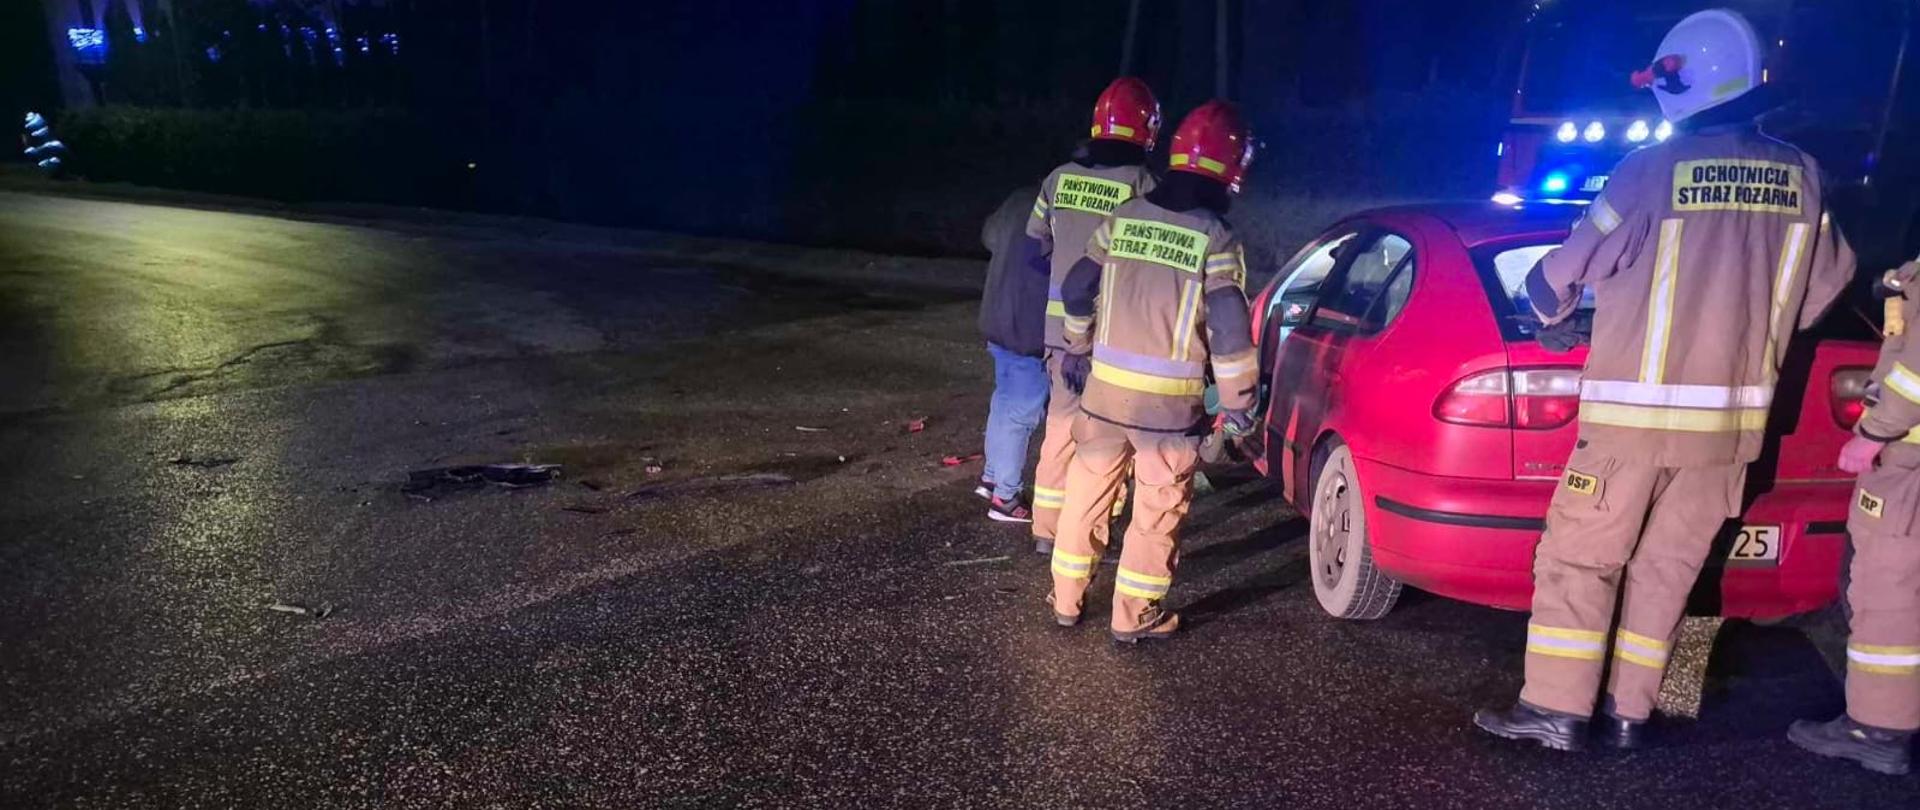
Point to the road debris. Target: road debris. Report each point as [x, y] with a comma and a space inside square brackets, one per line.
[508, 476]
[203, 462]
[955, 461]
[805, 429]
[710, 486]
[917, 425]
[655, 469]
[324, 610]
[980, 561]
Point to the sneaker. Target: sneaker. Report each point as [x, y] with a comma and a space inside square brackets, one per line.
[1013, 510]
[1878, 750]
[985, 489]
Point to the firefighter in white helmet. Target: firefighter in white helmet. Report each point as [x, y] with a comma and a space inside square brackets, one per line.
[1705, 253]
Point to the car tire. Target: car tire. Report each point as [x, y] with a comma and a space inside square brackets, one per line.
[1345, 579]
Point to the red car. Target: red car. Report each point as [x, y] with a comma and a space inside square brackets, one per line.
[1413, 417]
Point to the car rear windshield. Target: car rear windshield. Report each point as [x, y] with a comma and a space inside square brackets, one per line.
[1503, 270]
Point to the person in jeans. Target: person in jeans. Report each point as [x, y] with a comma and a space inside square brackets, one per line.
[1013, 320]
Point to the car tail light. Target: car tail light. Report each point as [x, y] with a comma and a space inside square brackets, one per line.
[1477, 400]
[1525, 399]
[1545, 398]
[1847, 395]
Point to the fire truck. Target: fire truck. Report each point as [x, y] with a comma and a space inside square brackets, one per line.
[1841, 72]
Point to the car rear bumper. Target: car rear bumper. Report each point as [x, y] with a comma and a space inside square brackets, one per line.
[1473, 540]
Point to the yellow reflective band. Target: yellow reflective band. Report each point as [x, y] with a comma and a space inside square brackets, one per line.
[1630, 637]
[1148, 579]
[1603, 216]
[1878, 649]
[1666, 270]
[1142, 593]
[1233, 368]
[1068, 556]
[1095, 131]
[1213, 165]
[1048, 498]
[1901, 380]
[1105, 304]
[1632, 657]
[1056, 309]
[1148, 383]
[1121, 130]
[1183, 327]
[1071, 572]
[1790, 253]
[1077, 325]
[1681, 419]
[1178, 160]
[1569, 634]
[1882, 669]
[1565, 652]
[1103, 236]
[1730, 86]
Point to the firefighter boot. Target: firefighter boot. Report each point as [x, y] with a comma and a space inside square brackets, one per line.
[1876, 749]
[1155, 625]
[1621, 733]
[1560, 732]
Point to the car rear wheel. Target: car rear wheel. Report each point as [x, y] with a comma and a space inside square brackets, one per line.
[1345, 579]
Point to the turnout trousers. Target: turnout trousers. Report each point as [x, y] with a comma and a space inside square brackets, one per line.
[1056, 459]
[1883, 651]
[1627, 535]
[1163, 466]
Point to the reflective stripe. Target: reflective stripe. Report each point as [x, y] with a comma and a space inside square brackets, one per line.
[1189, 312]
[1120, 130]
[1040, 208]
[1103, 236]
[1144, 586]
[1901, 380]
[1562, 642]
[1157, 366]
[1790, 254]
[1056, 309]
[1681, 396]
[1666, 268]
[1148, 383]
[1072, 566]
[1638, 649]
[1883, 660]
[1044, 498]
[1106, 299]
[1234, 368]
[1691, 421]
[1076, 325]
[1603, 216]
[1207, 163]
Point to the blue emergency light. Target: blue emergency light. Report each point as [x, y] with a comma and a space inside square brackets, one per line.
[1555, 183]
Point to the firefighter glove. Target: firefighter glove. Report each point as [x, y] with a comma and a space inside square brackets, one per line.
[1561, 337]
[1073, 372]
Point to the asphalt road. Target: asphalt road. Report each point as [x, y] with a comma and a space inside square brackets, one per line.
[208, 412]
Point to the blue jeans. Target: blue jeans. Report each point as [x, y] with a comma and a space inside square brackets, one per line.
[1020, 389]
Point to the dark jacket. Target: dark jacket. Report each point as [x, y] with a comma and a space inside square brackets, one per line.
[1013, 308]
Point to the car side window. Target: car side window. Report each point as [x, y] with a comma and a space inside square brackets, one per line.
[1374, 288]
[1300, 282]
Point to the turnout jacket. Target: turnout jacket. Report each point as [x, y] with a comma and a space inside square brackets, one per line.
[1074, 199]
[1894, 409]
[1157, 301]
[1704, 254]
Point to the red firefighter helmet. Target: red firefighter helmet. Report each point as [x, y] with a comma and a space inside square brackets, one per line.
[1213, 141]
[1127, 111]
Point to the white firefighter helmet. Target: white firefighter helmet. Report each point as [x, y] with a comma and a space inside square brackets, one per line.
[1708, 59]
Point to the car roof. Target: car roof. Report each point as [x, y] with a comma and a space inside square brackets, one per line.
[1480, 222]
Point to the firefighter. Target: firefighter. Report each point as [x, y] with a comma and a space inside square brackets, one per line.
[1156, 300]
[1704, 253]
[1883, 654]
[1074, 199]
